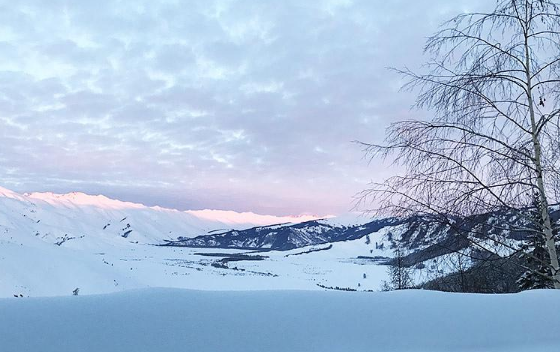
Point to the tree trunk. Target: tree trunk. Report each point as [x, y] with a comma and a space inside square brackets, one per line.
[550, 242]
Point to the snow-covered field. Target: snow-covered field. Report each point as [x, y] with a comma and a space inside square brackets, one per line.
[43, 269]
[282, 321]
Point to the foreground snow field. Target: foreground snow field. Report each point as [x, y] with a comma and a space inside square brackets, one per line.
[270, 321]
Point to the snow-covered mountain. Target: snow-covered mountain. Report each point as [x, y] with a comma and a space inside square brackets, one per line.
[481, 247]
[78, 220]
[421, 237]
[288, 236]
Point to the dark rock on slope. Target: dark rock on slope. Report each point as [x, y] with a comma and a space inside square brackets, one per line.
[285, 237]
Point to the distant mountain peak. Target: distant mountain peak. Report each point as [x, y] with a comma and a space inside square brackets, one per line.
[226, 217]
[252, 218]
[79, 198]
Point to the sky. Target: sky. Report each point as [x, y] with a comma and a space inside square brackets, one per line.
[247, 105]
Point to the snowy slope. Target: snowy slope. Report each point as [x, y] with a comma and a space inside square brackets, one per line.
[80, 220]
[290, 236]
[282, 321]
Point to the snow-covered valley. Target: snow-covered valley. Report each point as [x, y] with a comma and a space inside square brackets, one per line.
[47, 270]
[52, 244]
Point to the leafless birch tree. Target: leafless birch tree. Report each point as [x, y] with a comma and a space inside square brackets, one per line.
[493, 141]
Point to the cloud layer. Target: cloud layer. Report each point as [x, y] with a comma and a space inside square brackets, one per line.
[242, 105]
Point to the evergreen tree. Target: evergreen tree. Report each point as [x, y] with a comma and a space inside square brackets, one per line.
[400, 276]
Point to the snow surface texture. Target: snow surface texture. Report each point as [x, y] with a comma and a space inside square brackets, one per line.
[272, 321]
[51, 244]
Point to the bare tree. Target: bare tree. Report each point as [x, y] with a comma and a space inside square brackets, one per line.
[400, 276]
[458, 263]
[492, 84]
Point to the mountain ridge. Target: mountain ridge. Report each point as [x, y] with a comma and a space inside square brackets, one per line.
[59, 218]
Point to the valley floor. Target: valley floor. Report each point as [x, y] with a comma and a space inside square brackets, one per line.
[282, 321]
[36, 268]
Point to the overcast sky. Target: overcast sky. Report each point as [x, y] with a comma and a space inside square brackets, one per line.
[247, 105]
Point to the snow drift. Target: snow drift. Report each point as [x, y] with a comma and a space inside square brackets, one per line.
[177, 320]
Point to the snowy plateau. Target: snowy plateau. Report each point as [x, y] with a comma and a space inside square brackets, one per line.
[155, 279]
